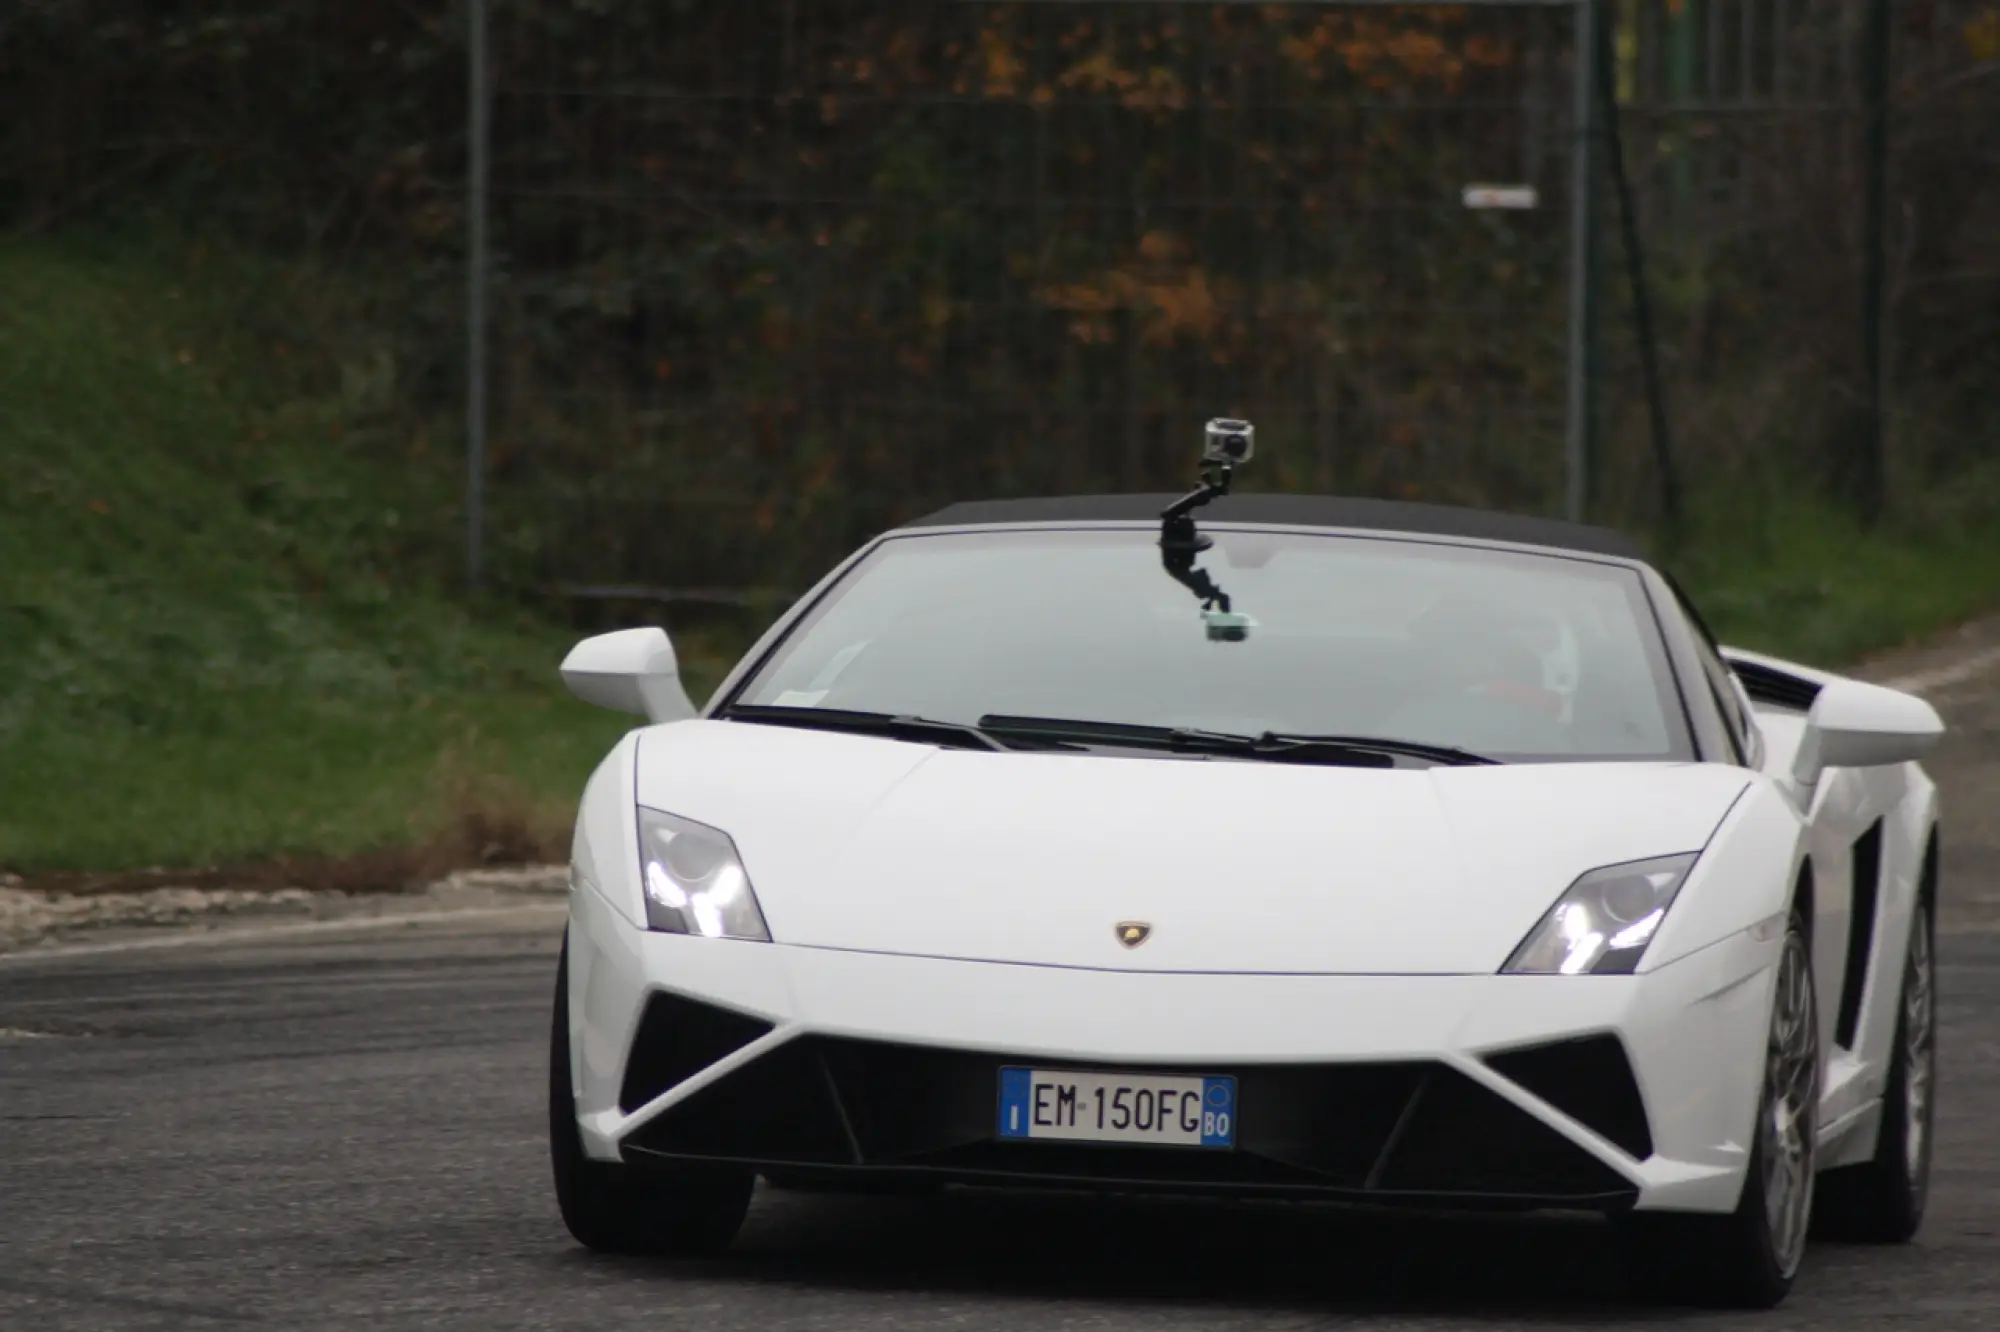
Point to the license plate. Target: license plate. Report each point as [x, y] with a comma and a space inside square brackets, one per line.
[1070, 1106]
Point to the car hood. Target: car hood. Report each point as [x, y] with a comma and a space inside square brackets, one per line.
[861, 843]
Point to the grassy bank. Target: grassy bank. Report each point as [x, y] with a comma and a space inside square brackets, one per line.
[222, 638]
[210, 646]
[1800, 578]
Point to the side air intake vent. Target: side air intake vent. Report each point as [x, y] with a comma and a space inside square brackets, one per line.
[1780, 689]
[1590, 1080]
[1860, 933]
[678, 1038]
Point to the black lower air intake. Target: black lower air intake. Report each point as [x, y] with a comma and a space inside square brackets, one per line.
[1588, 1079]
[677, 1038]
[1416, 1132]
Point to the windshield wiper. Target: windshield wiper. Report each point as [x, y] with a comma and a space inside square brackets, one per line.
[995, 730]
[956, 735]
[1443, 755]
[1187, 740]
[1357, 750]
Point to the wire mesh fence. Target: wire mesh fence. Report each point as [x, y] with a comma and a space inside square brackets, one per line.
[768, 274]
[1745, 126]
[772, 275]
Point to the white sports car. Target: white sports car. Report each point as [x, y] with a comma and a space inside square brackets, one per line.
[1435, 858]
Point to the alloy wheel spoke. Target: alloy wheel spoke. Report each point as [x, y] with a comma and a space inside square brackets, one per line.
[1918, 1042]
[1791, 1085]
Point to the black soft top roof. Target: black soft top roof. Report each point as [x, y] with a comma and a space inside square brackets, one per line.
[1296, 511]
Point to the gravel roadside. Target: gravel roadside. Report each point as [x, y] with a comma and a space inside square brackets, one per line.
[34, 919]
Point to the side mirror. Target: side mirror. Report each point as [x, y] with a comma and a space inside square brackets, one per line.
[1856, 725]
[633, 670]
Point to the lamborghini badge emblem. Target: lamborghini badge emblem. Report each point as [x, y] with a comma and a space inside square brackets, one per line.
[1132, 933]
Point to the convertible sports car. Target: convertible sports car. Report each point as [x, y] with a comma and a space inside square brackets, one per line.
[1435, 857]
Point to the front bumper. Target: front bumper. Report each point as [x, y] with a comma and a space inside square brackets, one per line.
[1512, 1091]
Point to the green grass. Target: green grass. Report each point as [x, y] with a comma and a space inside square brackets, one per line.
[210, 648]
[222, 639]
[1802, 579]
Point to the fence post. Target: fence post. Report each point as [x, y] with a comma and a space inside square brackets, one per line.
[1635, 276]
[1582, 296]
[1868, 467]
[478, 105]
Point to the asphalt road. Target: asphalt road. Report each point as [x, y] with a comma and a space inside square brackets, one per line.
[346, 1130]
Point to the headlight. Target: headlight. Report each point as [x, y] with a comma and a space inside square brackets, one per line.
[1602, 925]
[695, 882]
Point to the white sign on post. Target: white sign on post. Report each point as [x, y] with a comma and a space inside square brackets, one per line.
[1501, 196]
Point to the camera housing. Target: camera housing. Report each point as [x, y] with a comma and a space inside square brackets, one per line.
[1228, 442]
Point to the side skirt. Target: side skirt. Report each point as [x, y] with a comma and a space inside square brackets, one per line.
[1850, 1140]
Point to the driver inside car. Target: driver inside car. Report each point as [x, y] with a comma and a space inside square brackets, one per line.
[1484, 686]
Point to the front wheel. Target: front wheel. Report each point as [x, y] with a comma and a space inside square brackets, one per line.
[689, 1209]
[1749, 1258]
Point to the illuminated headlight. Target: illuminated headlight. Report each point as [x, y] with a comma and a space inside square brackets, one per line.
[695, 882]
[1602, 925]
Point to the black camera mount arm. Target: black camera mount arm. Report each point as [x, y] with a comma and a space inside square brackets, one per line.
[1180, 543]
[1179, 561]
[1177, 519]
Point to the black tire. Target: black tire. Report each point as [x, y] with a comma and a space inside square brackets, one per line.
[615, 1208]
[1735, 1260]
[1882, 1201]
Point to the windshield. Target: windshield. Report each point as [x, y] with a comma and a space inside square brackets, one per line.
[1512, 655]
